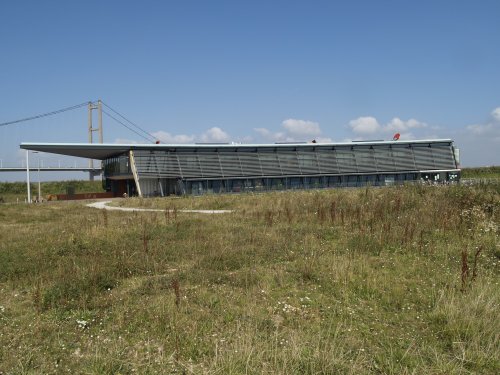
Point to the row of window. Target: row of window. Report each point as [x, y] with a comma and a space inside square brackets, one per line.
[265, 184]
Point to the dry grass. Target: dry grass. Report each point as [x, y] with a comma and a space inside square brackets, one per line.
[338, 281]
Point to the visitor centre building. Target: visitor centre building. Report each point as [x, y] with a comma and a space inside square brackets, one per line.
[166, 169]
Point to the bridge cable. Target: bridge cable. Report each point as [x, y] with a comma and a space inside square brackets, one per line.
[130, 122]
[128, 127]
[44, 114]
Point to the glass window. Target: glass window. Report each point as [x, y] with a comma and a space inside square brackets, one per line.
[295, 182]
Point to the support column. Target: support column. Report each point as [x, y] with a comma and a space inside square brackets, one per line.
[134, 172]
[28, 174]
[99, 110]
[91, 107]
[91, 162]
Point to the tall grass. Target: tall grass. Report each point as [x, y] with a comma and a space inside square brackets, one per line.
[336, 281]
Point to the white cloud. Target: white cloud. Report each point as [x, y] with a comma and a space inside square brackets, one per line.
[398, 125]
[480, 129]
[365, 125]
[301, 127]
[369, 125]
[125, 141]
[169, 138]
[489, 131]
[271, 136]
[496, 114]
[215, 134]
[266, 133]
[294, 130]
[166, 137]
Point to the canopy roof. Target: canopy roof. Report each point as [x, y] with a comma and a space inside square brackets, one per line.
[101, 151]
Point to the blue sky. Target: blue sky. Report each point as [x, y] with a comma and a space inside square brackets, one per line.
[259, 71]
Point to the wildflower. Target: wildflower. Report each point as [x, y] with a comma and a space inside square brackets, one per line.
[82, 324]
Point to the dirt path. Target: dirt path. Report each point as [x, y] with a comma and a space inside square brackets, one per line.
[103, 205]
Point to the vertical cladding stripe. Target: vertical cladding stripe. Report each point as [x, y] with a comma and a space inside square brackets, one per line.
[297, 156]
[179, 165]
[318, 162]
[220, 164]
[199, 164]
[372, 152]
[260, 164]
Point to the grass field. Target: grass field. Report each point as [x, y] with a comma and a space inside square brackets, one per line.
[401, 280]
[482, 172]
[11, 192]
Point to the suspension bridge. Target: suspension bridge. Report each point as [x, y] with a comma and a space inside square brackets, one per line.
[93, 170]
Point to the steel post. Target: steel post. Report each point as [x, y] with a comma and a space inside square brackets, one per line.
[28, 175]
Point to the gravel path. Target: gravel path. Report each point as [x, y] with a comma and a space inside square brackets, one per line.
[103, 205]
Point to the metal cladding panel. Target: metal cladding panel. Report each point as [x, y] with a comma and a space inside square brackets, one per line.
[443, 157]
[365, 161]
[156, 164]
[231, 165]
[346, 161]
[327, 162]
[250, 163]
[294, 161]
[270, 164]
[384, 159]
[189, 165]
[308, 163]
[423, 158]
[404, 159]
[149, 187]
[289, 163]
[209, 164]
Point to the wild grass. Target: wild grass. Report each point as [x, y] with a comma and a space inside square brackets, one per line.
[17, 191]
[311, 282]
[481, 172]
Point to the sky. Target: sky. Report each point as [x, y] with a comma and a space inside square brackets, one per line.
[252, 72]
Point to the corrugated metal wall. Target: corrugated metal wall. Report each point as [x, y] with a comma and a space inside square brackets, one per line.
[296, 161]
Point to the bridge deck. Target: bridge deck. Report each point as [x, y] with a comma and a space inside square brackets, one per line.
[43, 169]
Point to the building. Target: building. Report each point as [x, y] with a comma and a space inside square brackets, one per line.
[165, 169]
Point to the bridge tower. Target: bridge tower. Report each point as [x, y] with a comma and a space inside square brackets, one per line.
[91, 130]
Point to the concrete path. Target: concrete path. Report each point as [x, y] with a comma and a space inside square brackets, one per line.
[103, 205]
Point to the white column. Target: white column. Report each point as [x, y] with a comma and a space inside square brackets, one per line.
[39, 187]
[28, 175]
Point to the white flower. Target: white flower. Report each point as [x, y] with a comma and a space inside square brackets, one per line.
[82, 324]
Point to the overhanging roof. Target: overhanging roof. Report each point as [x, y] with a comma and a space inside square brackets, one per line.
[101, 151]
[98, 151]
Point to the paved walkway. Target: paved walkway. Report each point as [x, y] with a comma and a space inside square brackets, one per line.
[103, 205]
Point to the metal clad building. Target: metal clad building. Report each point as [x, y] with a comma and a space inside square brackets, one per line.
[150, 170]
